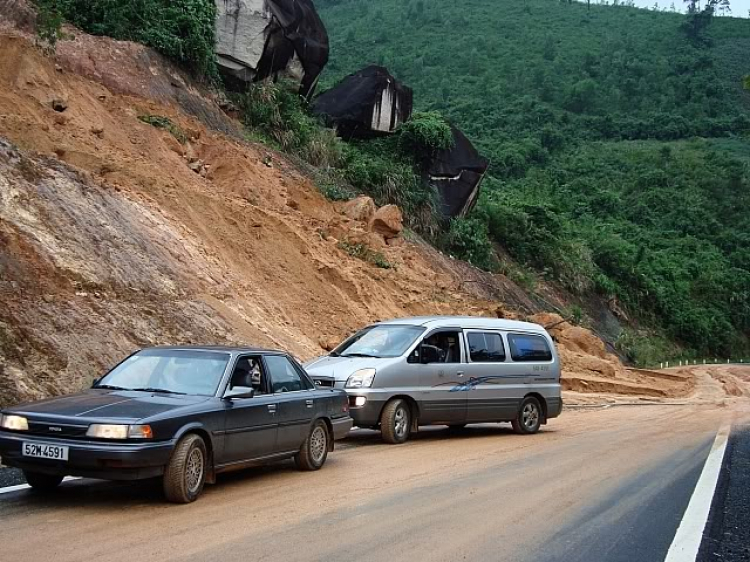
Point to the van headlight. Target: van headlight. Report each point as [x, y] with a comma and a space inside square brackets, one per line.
[361, 379]
[14, 423]
[114, 431]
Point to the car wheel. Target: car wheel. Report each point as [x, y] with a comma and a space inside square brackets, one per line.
[186, 472]
[395, 421]
[529, 417]
[314, 451]
[42, 482]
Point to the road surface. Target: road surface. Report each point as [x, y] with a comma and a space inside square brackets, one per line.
[601, 485]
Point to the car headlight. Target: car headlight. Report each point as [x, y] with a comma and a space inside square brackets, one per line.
[361, 379]
[111, 431]
[14, 423]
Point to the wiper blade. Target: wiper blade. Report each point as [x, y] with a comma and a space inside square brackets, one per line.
[110, 387]
[164, 390]
[360, 355]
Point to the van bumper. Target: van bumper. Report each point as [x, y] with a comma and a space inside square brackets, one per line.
[554, 407]
[367, 414]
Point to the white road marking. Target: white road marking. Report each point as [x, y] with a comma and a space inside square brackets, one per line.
[687, 540]
[19, 487]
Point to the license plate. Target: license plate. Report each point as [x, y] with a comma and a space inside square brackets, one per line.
[42, 451]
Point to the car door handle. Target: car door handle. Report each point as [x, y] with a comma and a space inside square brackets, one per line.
[272, 408]
[460, 373]
[309, 403]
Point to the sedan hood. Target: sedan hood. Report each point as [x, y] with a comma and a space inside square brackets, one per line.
[107, 404]
[341, 368]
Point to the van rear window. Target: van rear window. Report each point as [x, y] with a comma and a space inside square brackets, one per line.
[529, 348]
[485, 347]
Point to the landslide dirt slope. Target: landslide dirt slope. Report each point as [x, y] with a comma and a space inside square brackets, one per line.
[110, 240]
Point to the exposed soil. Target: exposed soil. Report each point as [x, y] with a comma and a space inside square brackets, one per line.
[115, 235]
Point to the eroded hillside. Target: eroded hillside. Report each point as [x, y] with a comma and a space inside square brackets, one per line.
[115, 235]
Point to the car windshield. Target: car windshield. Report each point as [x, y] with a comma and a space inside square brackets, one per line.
[384, 340]
[171, 371]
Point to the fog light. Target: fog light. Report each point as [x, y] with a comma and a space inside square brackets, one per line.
[359, 401]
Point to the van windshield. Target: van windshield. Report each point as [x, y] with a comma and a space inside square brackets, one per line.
[385, 340]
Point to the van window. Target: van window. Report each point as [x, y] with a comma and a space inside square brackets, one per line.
[447, 345]
[529, 348]
[485, 347]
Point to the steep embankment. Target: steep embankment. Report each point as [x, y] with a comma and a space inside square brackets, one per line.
[115, 235]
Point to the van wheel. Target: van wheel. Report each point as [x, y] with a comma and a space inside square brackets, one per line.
[395, 421]
[186, 472]
[529, 417]
[314, 451]
[42, 482]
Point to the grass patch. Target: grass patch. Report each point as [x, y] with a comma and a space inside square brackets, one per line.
[166, 124]
[363, 252]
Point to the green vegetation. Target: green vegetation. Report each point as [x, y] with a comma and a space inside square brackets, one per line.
[183, 31]
[48, 24]
[590, 119]
[467, 238]
[386, 169]
[363, 252]
[165, 123]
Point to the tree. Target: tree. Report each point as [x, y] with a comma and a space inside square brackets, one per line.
[698, 20]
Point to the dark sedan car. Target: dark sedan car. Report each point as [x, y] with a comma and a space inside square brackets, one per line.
[182, 414]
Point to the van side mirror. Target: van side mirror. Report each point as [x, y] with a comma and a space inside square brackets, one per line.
[429, 354]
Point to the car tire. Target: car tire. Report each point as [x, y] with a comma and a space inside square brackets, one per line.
[395, 421]
[42, 482]
[314, 451]
[529, 417]
[185, 474]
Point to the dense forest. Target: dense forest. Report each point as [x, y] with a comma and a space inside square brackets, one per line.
[618, 142]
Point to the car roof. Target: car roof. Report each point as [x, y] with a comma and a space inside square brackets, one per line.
[470, 322]
[220, 348]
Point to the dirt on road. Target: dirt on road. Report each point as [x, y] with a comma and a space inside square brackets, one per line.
[473, 496]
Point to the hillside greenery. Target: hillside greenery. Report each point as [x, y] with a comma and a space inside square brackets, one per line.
[183, 31]
[618, 142]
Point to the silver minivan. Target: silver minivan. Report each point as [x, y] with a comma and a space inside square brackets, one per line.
[445, 370]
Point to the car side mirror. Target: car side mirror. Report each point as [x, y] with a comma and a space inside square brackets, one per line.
[239, 393]
[430, 354]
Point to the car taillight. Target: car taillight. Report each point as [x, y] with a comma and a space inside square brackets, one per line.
[345, 405]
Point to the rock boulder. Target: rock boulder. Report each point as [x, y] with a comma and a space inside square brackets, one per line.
[388, 221]
[456, 173]
[259, 39]
[368, 103]
[361, 208]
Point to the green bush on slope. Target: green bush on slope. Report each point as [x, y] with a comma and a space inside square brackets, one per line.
[182, 30]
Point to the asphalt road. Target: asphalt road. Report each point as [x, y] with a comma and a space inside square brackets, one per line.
[604, 485]
[727, 536]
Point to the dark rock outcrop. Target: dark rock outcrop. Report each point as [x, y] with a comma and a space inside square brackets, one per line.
[364, 104]
[259, 39]
[456, 173]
